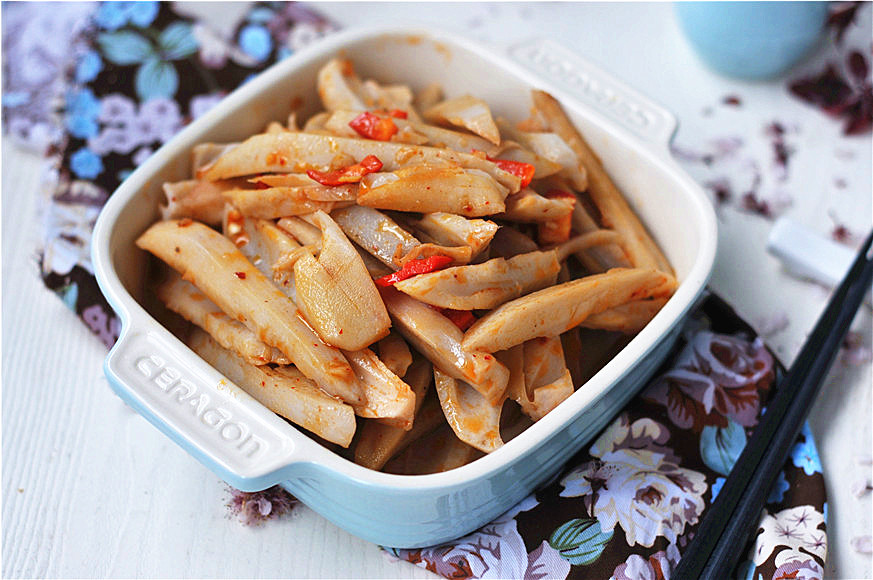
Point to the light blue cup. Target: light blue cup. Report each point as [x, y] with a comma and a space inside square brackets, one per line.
[752, 40]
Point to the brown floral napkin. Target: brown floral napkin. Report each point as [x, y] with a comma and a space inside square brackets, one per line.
[126, 76]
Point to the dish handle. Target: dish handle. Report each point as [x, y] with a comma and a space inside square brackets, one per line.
[619, 103]
[207, 415]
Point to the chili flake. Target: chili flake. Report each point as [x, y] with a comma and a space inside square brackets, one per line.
[350, 174]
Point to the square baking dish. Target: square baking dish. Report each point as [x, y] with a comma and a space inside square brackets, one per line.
[250, 447]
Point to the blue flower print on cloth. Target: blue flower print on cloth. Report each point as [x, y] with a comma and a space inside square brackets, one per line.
[86, 164]
[804, 453]
[720, 447]
[780, 486]
[256, 41]
[153, 51]
[137, 73]
[89, 66]
[40, 44]
[114, 15]
[716, 487]
[81, 116]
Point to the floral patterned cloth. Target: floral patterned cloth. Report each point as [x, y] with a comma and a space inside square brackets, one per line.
[627, 506]
[121, 78]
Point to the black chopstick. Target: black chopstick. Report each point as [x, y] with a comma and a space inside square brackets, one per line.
[725, 530]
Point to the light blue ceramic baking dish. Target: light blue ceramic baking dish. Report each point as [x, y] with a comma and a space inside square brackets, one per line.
[250, 447]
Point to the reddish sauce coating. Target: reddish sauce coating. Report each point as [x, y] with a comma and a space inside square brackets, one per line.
[350, 174]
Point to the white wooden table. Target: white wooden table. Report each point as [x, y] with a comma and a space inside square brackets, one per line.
[90, 489]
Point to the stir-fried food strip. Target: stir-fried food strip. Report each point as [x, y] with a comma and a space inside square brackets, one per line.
[310, 235]
[458, 254]
[413, 132]
[337, 294]
[387, 241]
[199, 200]
[547, 380]
[306, 187]
[299, 152]
[580, 243]
[529, 206]
[596, 259]
[486, 285]
[439, 339]
[628, 318]
[513, 154]
[339, 87]
[186, 300]
[547, 397]
[543, 361]
[560, 228]
[472, 417]
[552, 147]
[556, 309]
[268, 248]
[451, 229]
[214, 264]
[395, 353]
[286, 392]
[277, 202]
[509, 242]
[377, 442]
[614, 209]
[444, 451]
[466, 112]
[430, 188]
[203, 154]
[302, 231]
[428, 96]
[388, 398]
[377, 233]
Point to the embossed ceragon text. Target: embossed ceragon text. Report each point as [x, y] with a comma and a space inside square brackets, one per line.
[185, 393]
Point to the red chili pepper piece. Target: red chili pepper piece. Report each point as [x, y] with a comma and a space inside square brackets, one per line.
[350, 174]
[414, 268]
[373, 126]
[524, 171]
[463, 319]
[398, 114]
